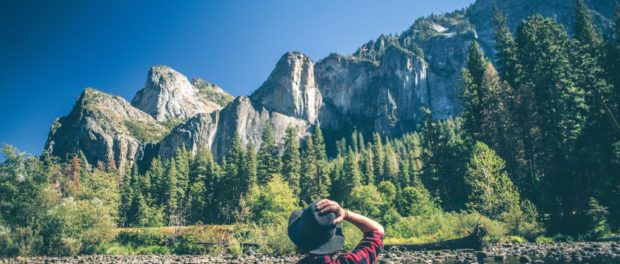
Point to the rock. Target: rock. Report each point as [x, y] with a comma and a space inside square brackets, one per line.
[290, 89]
[104, 128]
[169, 96]
[525, 259]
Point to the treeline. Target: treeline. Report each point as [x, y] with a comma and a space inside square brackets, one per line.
[536, 151]
[551, 112]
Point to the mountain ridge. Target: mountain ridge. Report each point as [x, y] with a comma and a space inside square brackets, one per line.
[379, 88]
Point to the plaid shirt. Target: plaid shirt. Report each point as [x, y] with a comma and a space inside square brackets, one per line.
[366, 252]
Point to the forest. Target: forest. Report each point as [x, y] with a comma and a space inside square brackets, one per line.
[535, 156]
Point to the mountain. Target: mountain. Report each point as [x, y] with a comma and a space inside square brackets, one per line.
[168, 96]
[379, 88]
[104, 128]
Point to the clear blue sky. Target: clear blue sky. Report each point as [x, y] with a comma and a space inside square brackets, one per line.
[51, 50]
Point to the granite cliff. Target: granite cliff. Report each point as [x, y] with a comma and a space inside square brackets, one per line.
[380, 87]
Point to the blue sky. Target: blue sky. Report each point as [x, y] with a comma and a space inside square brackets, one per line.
[51, 50]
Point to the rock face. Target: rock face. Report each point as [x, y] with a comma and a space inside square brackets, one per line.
[168, 96]
[104, 128]
[291, 89]
[381, 87]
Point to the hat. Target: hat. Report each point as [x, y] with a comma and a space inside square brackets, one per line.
[313, 232]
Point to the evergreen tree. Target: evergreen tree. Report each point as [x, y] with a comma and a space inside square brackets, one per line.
[323, 181]
[367, 168]
[235, 184]
[378, 157]
[268, 156]
[351, 176]
[473, 102]
[182, 162]
[557, 114]
[506, 47]
[125, 199]
[492, 192]
[156, 171]
[170, 199]
[291, 160]
[307, 181]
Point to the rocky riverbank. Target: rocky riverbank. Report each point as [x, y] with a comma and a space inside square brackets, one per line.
[581, 252]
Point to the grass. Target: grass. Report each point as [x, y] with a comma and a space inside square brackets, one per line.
[145, 132]
[273, 239]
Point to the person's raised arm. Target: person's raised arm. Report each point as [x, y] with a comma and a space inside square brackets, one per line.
[364, 223]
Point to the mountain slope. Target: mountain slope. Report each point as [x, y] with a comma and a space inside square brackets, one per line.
[381, 87]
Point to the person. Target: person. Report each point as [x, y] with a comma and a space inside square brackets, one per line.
[317, 232]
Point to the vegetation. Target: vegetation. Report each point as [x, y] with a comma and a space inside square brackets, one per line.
[535, 156]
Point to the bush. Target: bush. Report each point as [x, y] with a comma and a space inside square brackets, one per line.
[141, 237]
[517, 239]
[442, 226]
[274, 203]
[7, 247]
[367, 200]
[543, 240]
[150, 250]
[234, 247]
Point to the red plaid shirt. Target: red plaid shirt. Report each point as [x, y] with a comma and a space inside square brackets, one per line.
[366, 252]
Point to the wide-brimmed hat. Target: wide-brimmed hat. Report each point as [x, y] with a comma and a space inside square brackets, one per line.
[313, 232]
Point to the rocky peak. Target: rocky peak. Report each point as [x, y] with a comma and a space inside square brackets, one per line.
[104, 128]
[169, 96]
[291, 89]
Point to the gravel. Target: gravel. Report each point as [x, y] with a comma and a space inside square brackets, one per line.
[580, 252]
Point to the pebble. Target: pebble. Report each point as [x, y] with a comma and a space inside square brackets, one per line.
[579, 252]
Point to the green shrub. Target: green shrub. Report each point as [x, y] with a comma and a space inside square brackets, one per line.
[150, 250]
[234, 247]
[562, 238]
[141, 237]
[7, 247]
[543, 240]
[115, 249]
[516, 239]
[442, 226]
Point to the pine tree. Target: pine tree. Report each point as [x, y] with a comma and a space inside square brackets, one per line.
[307, 181]
[472, 76]
[182, 161]
[156, 171]
[351, 176]
[507, 61]
[367, 163]
[268, 156]
[291, 160]
[170, 200]
[315, 180]
[557, 110]
[249, 171]
[125, 200]
[323, 181]
[378, 157]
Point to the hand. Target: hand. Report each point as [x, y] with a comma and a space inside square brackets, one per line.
[326, 206]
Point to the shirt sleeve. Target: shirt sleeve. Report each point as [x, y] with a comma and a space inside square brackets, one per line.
[366, 252]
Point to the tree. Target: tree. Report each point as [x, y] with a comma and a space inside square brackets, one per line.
[269, 161]
[234, 184]
[473, 75]
[492, 193]
[273, 203]
[416, 201]
[351, 176]
[291, 160]
[366, 199]
[378, 157]
[556, 113]
[506, 47]
[170, 199]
